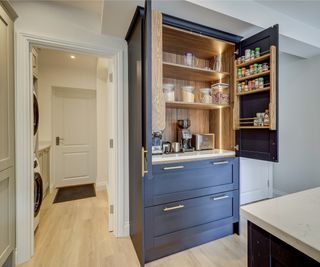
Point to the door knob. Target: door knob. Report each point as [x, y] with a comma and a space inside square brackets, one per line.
[58, 140]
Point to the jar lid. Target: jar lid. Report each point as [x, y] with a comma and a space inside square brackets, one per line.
[205, 90]
[188, 88]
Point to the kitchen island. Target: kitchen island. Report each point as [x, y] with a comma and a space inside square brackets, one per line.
[284, 231]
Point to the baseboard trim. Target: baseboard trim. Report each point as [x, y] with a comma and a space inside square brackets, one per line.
[126, 228]
[278, 193]
[100, 186]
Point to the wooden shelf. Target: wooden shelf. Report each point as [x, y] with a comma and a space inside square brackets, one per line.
[179, 41]
[261, 74]
[182, 72]
[254, 127]
[254, 91]
[256, 60]
[184, 105]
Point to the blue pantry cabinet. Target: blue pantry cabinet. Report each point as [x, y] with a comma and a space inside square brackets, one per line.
[179, 205]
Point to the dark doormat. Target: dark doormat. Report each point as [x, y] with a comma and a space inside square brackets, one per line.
[74, 192]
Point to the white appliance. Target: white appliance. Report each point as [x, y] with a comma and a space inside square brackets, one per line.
[38, 192]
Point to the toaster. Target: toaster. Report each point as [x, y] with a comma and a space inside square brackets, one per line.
[203, 141]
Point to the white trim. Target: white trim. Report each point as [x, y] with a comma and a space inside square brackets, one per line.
[24, 138]
[127, 228]
[278, 193]
[101, 186]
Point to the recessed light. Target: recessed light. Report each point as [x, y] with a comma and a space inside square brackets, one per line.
[72, 56]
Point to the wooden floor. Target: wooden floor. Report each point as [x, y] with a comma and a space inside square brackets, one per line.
[75, 234]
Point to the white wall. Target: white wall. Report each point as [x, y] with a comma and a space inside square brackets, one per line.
[57, 69]
[48, 18]
[299, 95]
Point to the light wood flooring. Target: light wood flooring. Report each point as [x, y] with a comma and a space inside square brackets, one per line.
[75, 234]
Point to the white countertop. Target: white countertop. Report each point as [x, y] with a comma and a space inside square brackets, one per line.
[191, 156]
[294, 218]
[44, 144]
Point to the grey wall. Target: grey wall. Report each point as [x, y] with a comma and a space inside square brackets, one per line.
[299, 96]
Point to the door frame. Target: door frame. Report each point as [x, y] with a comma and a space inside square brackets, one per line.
[54, 90]
[24, 133]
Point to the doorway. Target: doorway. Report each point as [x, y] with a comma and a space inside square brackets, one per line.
[24, 121]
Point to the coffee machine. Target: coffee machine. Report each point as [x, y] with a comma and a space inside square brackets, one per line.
[184, 135]
[156, 143]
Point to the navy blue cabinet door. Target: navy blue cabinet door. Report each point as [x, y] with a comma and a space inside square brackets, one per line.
[259, 143]
[139, 61]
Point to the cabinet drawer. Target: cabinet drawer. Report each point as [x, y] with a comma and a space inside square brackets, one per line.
[166, 225]
[171, 217]
[173, 182]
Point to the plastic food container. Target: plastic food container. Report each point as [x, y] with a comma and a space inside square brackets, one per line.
[168, 91]
[205, 95]
[187, 94]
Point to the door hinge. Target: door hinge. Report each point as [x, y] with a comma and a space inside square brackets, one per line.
[111, 77]
[111, 143]
[268, 183]
[111, 209]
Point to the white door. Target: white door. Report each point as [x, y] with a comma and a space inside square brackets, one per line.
[75, 136]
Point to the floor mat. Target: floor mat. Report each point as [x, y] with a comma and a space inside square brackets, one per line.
[74, 192]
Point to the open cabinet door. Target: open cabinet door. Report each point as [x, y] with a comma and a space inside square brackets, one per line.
[253, 141]
[140, 167]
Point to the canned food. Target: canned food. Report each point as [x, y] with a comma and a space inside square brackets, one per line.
[257, 52]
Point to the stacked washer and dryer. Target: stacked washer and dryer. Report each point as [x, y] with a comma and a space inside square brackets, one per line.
[38, 184]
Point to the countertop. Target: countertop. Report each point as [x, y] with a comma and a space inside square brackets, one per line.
[191, 156]
[44, 144]
[293, 218]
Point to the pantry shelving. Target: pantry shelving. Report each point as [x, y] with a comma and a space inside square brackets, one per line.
[256, 60]
[254, 127]
[253, 76]
[247, 103]
[183, 72]
[185, 105]
[254, 91]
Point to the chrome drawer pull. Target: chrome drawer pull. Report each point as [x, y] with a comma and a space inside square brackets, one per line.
[174, 208]
[219, 198]
[173, 168]
[220, 162]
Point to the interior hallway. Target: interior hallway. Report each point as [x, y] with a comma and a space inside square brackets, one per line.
[75, 233]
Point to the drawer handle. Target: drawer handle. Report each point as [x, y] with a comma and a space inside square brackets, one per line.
[220, 162]
[173, 168]
[174, 208]
[219, 198]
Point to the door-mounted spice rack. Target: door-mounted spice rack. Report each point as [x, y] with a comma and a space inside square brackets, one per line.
[255, 74]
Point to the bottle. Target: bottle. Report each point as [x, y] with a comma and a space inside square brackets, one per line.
[266, 119]
[252, 55]
[261, 83]
[257, 52]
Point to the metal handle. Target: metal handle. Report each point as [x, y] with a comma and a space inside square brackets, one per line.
[173, 208]
[173, 168]
[58, 140]
[220, 162]
[143, 161]
[219, 198]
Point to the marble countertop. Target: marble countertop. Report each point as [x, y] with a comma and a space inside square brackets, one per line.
[293, 218]
[191, 156]
[44, 144]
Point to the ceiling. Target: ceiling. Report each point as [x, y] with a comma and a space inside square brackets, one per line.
[91, 6]
[304, 11]
[63, 58]
[299, 20]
